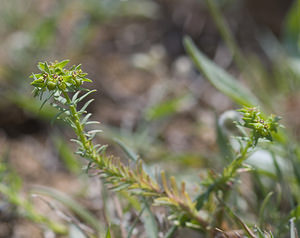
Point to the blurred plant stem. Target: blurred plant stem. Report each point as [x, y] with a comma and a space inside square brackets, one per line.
[226, 34]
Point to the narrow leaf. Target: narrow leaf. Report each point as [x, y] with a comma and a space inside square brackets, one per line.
[85, 106]
[58, 115]
[62, 64]
[47, 99]
[150, 222]
[108, 233]
[75, 96]
[85, 119]
[84, 96]
[41, 66]
[262, 208]
[92, 122]
[102, 148]
[220, 79]
[46, 68]
[135, 222]
[128, 151]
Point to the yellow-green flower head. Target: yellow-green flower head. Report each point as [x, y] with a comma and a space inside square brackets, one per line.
[55, 77]
[261, 127]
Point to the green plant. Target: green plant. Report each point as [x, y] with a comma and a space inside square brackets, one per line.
[64, 86]
[60, 82]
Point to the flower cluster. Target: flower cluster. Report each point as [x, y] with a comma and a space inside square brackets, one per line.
[261, 127]
[55, 77]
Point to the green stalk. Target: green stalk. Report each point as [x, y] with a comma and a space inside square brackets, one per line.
[88, 145]
[137, 178]
[226, 33]
[76, 120]
[226, 192]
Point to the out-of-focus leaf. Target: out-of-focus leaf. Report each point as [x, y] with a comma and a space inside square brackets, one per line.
[292, 29]
[32, 105]
[67, 155]
[129, 152]
[223, 143]
[263, 207]
[295, 212]
[44, 33]
[108, 233]
[75, 232]
[219, 78]
[135, 222]
[150, 222]
[166, 108]
[243, 225]
[71, 204]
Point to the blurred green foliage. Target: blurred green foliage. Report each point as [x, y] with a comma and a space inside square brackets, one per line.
[34, 30]
[292, 30]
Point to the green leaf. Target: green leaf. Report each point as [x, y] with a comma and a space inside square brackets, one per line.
[86, 118]
[202, 198]
[67, 78]
[75, 96]
[41, 66]
[82, 110]
[149, 221]
[108, 233]
[263, 207]
[62, 64]
[129, 152]
[67, 155]
[166, 108]
[87, 80]
[221, 80]
[135, 222]
[223, 143]
[238, 220]
[171, 231]
[32, 105]
[46, 68]
[37, 84]
[78, 67]
[46, 100]
[84, 96]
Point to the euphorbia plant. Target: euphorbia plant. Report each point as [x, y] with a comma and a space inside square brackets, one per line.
[64, 87]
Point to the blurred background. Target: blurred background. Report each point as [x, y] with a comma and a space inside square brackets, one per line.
[149, 94]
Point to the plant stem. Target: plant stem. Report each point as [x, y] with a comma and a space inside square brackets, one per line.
[226, 192]
[87, 145]
[226, 33]
[115, 172]
[76, 120]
